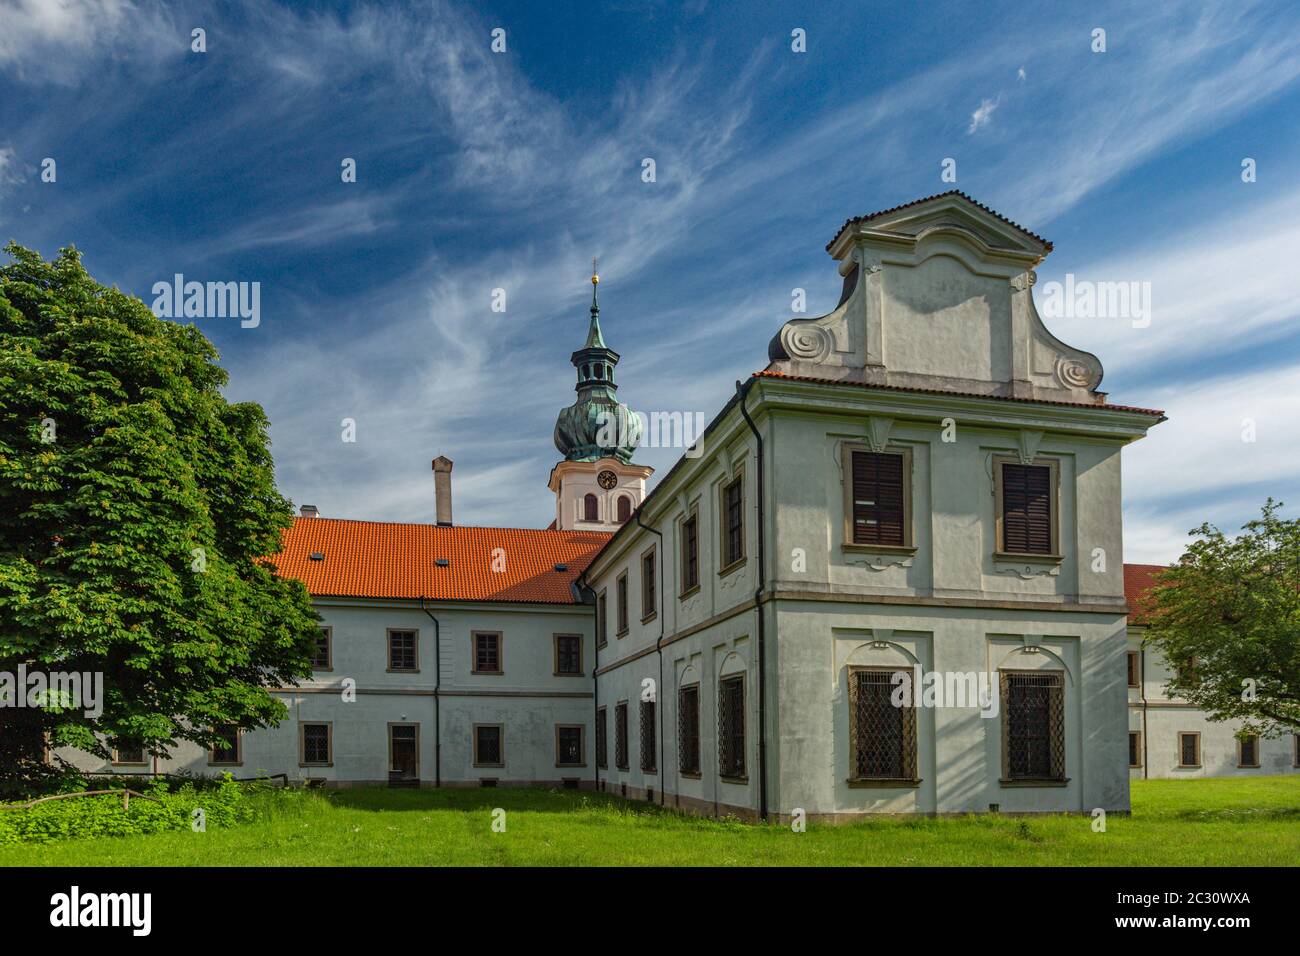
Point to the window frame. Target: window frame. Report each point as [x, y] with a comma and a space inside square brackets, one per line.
[649, 755]
[501, 745]
[1240, 743]
[649, 584]
[687, 733]
[724, 739]
[389, 735]
[621, 598]
[117, 760]
[1054, 556]
[1133, 661]
[620, 737]
[501, 656]
[555, 639]
[602, 738]
[239, 750]
[327, 631]
[909, 730]
[1135, 741]
[619, 502]
[591, 498]
[847, 450]
[1196, 734]
[685, 588]
[582, 744]
[602, 618]
[329, 743]
[737, 480]
[1004, 687]
[415, 650]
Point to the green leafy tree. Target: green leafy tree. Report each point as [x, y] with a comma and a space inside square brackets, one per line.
[137, 507]
[1227, 618]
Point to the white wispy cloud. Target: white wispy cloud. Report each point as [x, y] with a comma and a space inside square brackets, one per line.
[59, 41]
[982, 116]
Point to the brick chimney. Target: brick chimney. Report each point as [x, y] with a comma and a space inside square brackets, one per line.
[442, 489]
[309, 511]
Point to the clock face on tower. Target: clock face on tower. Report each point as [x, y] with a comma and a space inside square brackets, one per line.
[607, 479]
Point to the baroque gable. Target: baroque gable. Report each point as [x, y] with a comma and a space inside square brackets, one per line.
[938, 294]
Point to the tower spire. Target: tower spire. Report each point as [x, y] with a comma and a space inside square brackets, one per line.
[594, 338]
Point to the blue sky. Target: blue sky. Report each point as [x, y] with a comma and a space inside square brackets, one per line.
[478, 170]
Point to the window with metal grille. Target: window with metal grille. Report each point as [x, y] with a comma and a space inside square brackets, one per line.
[487, 745]
[602, 737]
[320, 659]
[620, 735]
[128, 753]
[690, 553]
[733, 522]
[624, 509]
[1248, 751]
[1295, 745]
[568, 654]
[589, 508]
[487, 652]
[620, 606]
[401, 651]
[227, 751]
[731, 727]
[316, 743]
[648, 744]
[882, 737]
[648, 584]
[1026, 509]
[1033, 725]
[1134, 669]
[879, 508]
[602, 620]
[688, 729]
[568, 746]
[1189, 750]
[1135, 748]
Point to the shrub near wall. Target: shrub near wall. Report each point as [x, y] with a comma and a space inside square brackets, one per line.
[224, 804]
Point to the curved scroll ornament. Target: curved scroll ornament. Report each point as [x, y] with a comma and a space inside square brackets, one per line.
[1027, 572]
[879, 562]
[808, 343]
[1076, 373]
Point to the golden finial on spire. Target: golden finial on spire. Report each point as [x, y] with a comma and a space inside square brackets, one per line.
[595, 279]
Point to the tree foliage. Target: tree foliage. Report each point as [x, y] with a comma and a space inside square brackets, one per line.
[1227, 618]
[137, 507]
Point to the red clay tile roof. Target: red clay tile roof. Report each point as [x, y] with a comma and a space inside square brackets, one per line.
[1138, 581]
[377, 559]
[769, 373]
[916, 202]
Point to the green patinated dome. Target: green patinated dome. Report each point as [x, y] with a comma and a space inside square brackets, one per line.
[597, 425]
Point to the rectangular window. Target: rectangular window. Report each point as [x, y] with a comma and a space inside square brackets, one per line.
[1248, 751]
[621, 604]
[1026, 522]
[489, 750]
[402, 654]
[317, 745]
[487, 652]
[620, 735]
[733, 522]
[569, 749]
[1135, 748]
[227, 751]
[648, 607]
[1033, 725]
[568, 655]
[125, 753]
[690, 553]
[1189, 750]
[878, 507]
[602, 737]
[731, 727]
[882, 737]
[1134, 669]
[602, 620]
[648, 744]
[322, 657]
[688, 729]
[1295, 746]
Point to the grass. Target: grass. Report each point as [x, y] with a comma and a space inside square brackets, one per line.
[1211, 822]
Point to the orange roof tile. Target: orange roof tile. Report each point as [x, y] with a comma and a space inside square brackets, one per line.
[1139, 579]
[377, 559]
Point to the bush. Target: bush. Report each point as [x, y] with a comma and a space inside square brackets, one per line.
[224, 804]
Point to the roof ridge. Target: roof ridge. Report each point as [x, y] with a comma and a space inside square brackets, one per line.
[916, 202]
[443, 527]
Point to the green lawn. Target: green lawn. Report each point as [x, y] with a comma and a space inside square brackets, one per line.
[1229, 822]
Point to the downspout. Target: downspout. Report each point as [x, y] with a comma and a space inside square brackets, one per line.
[659, 649]
[1142, 695]
[437, 684]
[742, 392]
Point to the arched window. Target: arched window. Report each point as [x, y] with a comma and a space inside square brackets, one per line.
[589, 508]
[624, 509]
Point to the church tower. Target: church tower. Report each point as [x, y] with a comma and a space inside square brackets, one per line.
[597, 487]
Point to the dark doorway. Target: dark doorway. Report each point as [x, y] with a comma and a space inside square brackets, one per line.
[403, 755]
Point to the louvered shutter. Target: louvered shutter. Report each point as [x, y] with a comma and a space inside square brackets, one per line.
[878, 507]
[1026, 509]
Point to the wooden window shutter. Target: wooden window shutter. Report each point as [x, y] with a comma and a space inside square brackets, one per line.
[1026, 509]
[879, 512]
